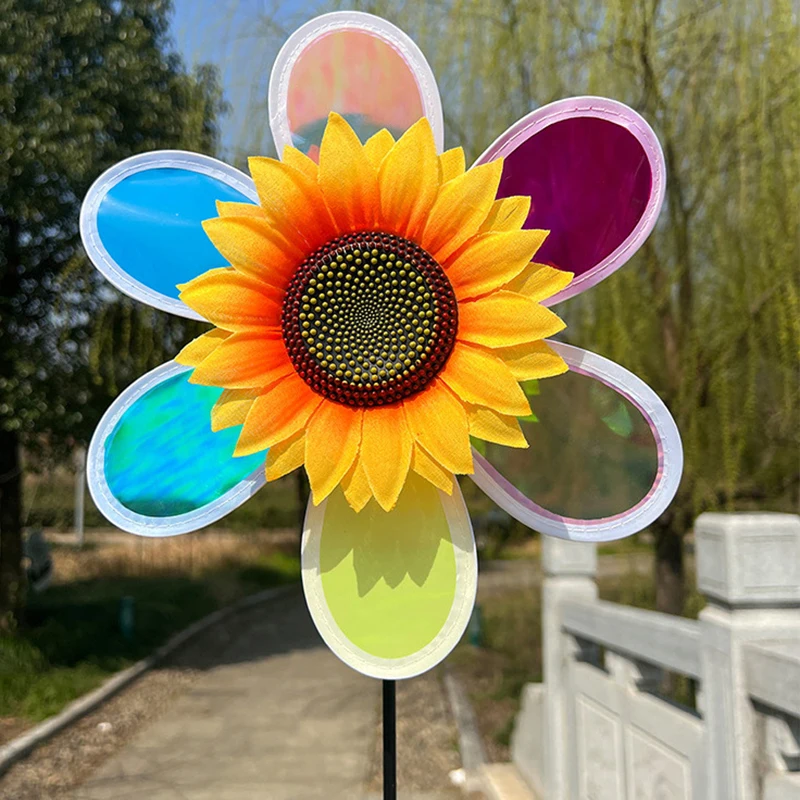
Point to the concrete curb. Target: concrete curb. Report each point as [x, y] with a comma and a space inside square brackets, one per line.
[470, 746]
[504, 782]
[21, 746]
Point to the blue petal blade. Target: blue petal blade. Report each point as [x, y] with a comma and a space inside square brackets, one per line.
[141, 222]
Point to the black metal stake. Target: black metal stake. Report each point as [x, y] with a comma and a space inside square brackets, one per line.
[389, 741]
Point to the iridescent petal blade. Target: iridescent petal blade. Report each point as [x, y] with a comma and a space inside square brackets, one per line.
[391, 593]
[141, 222]
[605, 456]
[595, 174]
[155, 467]
[358, 65]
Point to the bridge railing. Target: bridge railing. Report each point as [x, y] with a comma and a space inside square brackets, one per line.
[599, 727]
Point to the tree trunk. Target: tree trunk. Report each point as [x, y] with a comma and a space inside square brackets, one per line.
[669, 570]
[11, 577]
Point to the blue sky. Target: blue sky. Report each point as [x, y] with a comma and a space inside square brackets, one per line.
[242, 38]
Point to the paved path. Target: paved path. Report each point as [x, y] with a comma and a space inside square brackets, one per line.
[278, 717]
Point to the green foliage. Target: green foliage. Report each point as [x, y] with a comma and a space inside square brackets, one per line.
[83, 84]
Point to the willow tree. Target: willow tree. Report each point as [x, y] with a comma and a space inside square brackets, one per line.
[708, 312]
[83, 84]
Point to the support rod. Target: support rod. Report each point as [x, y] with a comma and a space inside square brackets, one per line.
[389, 741]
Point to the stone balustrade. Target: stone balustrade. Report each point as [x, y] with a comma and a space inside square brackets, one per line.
[598, 727]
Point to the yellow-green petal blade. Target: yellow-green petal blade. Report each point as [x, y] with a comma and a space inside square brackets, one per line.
[391, 592]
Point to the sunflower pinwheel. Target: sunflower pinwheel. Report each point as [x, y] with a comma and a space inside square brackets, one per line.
[381, 319]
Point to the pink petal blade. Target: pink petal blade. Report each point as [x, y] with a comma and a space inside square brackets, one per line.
[605, 456]
[358, 65]
[595, 174]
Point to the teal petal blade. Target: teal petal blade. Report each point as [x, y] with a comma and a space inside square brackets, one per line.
[155, 466]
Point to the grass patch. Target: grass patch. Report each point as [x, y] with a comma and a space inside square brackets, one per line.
[73, 638]
[510, 656]
[630, 544]
[522, 546]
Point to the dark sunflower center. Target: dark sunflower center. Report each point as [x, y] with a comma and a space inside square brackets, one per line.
[369, 318]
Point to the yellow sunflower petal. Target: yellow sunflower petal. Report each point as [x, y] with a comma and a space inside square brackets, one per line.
[532, 360]
[480, 377]
[356, 487]
[293, 202]
[386, 452]
[231, 408]
[487, 424]
[505, 318]
[377, 146]
[347, 178]
[507, 214]
[202, 346]
[490, 260]
[229, 209]
[538, 281]
[233, 301]
[430, 469]
[460, 209]
[333, 436]
[244, 361]
[300, 161]
[439, 423]
[253, 247]
[277, 414]
[286, 456]
[409, 181]
[452, 163]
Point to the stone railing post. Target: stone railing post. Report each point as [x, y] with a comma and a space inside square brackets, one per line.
[569, 574]
[748, 566]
